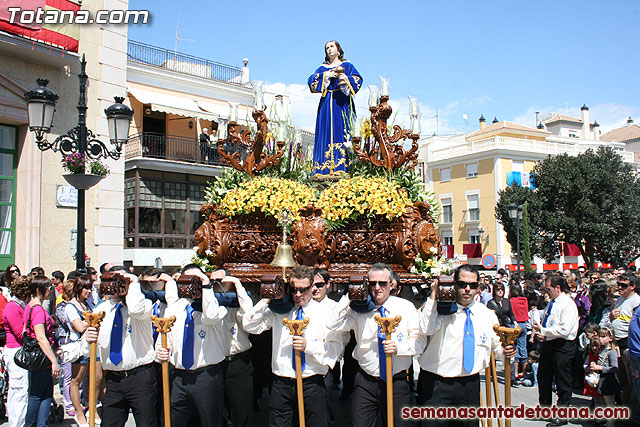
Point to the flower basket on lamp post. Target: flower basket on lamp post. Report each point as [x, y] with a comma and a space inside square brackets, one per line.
[82, 181]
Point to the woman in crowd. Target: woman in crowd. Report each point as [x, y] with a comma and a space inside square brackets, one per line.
[501, 306]
[63, 336]
[599, 301]
[13, 317]
[520, 309]
[39, 325]
[10, 274]
[76, 326]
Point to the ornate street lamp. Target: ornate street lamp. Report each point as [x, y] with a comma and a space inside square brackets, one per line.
[515, 213]
[41, 107]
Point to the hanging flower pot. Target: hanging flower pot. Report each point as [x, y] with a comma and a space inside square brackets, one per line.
[82, 181]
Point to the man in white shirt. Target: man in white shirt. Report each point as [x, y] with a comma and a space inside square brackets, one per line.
[460, 346]
[620, 316]
[557, 332]
[196, 349]
[320, 349]
[237, 369]
[125, 346]
[368, 399]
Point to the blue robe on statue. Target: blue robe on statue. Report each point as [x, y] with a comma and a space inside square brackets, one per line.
[336, 112]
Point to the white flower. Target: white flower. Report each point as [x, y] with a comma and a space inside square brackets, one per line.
[433, 250]
[413, 269]
[209, 252]
[195, 248]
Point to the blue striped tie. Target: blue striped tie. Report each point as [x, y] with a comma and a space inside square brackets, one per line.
[468, 344]
[299, 316]
[382, 357]
[188, 339]
[156, 312]
[115, 347]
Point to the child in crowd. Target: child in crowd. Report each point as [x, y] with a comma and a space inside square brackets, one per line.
[531, 377]
[536, 303]
[589, 332]
[601, 367]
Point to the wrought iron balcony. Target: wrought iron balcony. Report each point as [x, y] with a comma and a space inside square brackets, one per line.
[169, 147]
[182, 63]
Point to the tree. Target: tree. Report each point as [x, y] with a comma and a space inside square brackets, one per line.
[525, 250]
[590, 200]
[539, 244]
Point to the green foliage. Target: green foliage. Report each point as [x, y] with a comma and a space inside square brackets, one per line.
[525, 249]
[591, 200]
[539, 243]
[229, 180]
[98, 168]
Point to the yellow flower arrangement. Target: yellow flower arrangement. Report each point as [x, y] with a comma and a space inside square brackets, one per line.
[349, 198]
[268, 195]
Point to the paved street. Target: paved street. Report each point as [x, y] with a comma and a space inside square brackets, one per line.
[526, 395]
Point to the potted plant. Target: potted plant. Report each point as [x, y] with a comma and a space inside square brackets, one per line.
[76, 164]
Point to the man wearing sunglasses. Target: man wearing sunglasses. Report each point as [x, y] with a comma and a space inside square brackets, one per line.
[557, 332]
[368, 400]
[459, 347]
[319, 349]
[620, 316]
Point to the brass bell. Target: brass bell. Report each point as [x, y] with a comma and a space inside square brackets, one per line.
[284, 256]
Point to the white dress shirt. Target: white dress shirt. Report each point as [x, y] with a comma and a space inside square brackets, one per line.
[236, 337]
[209, 342]
[443, 355]
[323, 346]
[563, 319]
[137, 340]
[330, 307]
[407, 338]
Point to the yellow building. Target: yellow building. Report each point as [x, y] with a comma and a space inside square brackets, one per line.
[468, 171]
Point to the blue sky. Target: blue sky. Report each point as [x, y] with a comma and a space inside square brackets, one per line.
[506, 59]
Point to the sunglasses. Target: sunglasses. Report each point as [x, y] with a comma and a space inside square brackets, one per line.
[623, 285]
[14, 271]
[473, 285]
[320, 284]
[301, 291]
[382, 284]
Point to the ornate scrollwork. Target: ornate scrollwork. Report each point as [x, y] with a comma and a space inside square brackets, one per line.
[256, 160]
[386, 152]
[69, 143]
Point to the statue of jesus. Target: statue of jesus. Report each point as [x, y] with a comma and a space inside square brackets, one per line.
[337, 80]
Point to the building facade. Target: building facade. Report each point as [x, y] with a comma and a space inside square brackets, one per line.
[37, 221]
[468, 171]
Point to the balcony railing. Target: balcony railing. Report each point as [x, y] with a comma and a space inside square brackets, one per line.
[182, 63]
[547, 147]
[168, 147]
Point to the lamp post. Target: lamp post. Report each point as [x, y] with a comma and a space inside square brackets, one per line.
[41, 104]
[515, 213]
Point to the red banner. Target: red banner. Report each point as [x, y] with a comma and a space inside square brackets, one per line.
[570, 249]
[447, 251]
[472, 250]
[64, 35]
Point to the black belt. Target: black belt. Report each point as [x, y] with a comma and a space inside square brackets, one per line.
[399, 375]
[130, 372]
[236, 356]
[319, 378]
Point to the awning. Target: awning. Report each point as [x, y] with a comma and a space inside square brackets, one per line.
[223, 111]
[171, 104]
